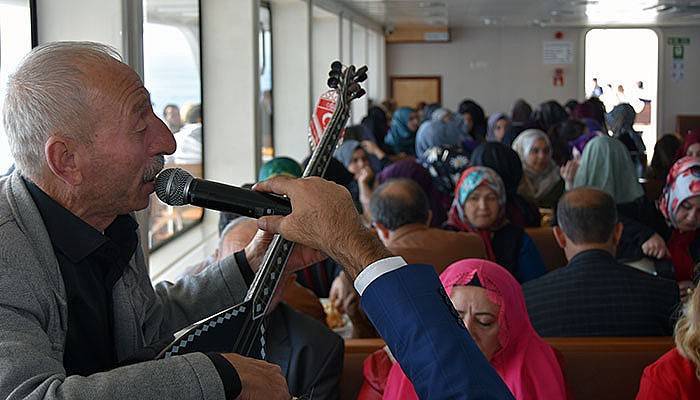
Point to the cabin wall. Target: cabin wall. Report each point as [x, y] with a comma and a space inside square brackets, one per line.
[495, 66]
[682, 97]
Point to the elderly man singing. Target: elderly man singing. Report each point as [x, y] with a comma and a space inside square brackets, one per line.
[76, 302]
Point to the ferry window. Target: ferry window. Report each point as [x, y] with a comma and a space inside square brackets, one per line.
[265, 104]
[172, 73]
[632, 78]
[15, 42]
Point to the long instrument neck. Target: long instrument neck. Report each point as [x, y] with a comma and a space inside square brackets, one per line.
[269, 274]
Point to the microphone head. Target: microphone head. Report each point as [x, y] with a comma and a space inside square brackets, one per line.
[171, 185]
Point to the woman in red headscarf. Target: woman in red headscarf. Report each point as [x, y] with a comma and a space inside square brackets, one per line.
[492, 306]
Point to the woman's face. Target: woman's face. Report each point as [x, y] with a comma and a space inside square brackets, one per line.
[481, 207]
[413, 122]
[480, 315]
[539, 156]
[693, 150]
[500, 131]
[688, 214]
[469, 121]
[359, 160]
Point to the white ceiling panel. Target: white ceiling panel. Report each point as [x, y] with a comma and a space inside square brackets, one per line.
[463, 13]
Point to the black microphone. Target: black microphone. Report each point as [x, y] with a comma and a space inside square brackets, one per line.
[176, 187]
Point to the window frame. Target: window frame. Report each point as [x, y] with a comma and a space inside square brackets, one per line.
[259, 139]
[199, 221]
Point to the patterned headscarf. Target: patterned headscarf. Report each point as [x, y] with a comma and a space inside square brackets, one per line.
[472, 178]
[280, 166]
[525, 362]
[400, 138]
[683, 182]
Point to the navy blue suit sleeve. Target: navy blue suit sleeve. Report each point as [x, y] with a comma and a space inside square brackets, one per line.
[413, 314]
[530, 263]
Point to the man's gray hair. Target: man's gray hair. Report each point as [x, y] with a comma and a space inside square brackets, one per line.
[50, 93]
[231, 225]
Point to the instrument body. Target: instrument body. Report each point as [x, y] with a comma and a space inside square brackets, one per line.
[240, 329]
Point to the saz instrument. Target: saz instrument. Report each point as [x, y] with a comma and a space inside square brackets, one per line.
[240, 329]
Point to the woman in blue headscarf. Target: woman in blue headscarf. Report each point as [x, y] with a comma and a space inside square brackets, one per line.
[402, 133]
[439, 131]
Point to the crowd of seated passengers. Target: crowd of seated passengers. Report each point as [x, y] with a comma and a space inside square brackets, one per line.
[499, 193]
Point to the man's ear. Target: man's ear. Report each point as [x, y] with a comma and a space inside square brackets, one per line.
[382, 231]
[617, 233]
[559, 236]
[62, 160]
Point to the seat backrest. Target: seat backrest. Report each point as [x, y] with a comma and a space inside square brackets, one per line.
[598, 368]
[356, 350]
[607, 367]
[552, 254]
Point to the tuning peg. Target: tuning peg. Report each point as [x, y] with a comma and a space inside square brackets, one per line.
[333, 82]
[334, 74]
[336, 66]
[358, 94]
[360, 77]
[354, 87]
[362, 70]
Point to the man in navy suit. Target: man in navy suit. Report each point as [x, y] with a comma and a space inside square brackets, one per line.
[406, 303]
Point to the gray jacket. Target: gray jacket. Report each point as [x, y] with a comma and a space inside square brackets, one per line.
[33, 318]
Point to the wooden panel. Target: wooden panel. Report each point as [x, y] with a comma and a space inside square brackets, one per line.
[409, 91]
[684, 123]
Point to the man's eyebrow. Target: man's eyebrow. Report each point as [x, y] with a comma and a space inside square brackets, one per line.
[144, 102]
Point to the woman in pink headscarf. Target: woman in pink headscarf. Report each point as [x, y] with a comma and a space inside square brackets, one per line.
[492, 306]
[680, 205]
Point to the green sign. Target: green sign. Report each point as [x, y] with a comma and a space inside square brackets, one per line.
[678, 41]
[677, 52]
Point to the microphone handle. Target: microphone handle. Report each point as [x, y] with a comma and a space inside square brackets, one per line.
[249, 203]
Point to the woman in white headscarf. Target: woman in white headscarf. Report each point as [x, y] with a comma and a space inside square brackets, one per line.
[541, 184]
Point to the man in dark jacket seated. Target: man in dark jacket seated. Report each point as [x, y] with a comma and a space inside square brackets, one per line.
[594, 295]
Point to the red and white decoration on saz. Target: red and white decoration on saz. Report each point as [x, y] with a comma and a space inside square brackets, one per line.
[321, 117]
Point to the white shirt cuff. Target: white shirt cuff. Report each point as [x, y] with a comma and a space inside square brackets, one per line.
[375, 270]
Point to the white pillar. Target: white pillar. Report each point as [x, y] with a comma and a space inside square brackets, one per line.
[359, 58]
[291, 66]
[93, 20]
[377, 71]
[230, 89]
[325, 41]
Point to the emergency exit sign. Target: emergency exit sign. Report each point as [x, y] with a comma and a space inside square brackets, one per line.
[678, 41]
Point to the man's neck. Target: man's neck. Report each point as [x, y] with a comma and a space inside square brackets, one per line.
[91, 214]
[572, 250]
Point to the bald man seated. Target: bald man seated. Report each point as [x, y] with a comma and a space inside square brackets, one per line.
[594, 295]
[401, 216]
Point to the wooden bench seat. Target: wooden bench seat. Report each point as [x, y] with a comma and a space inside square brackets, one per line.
[552, 255]
[597, 368]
